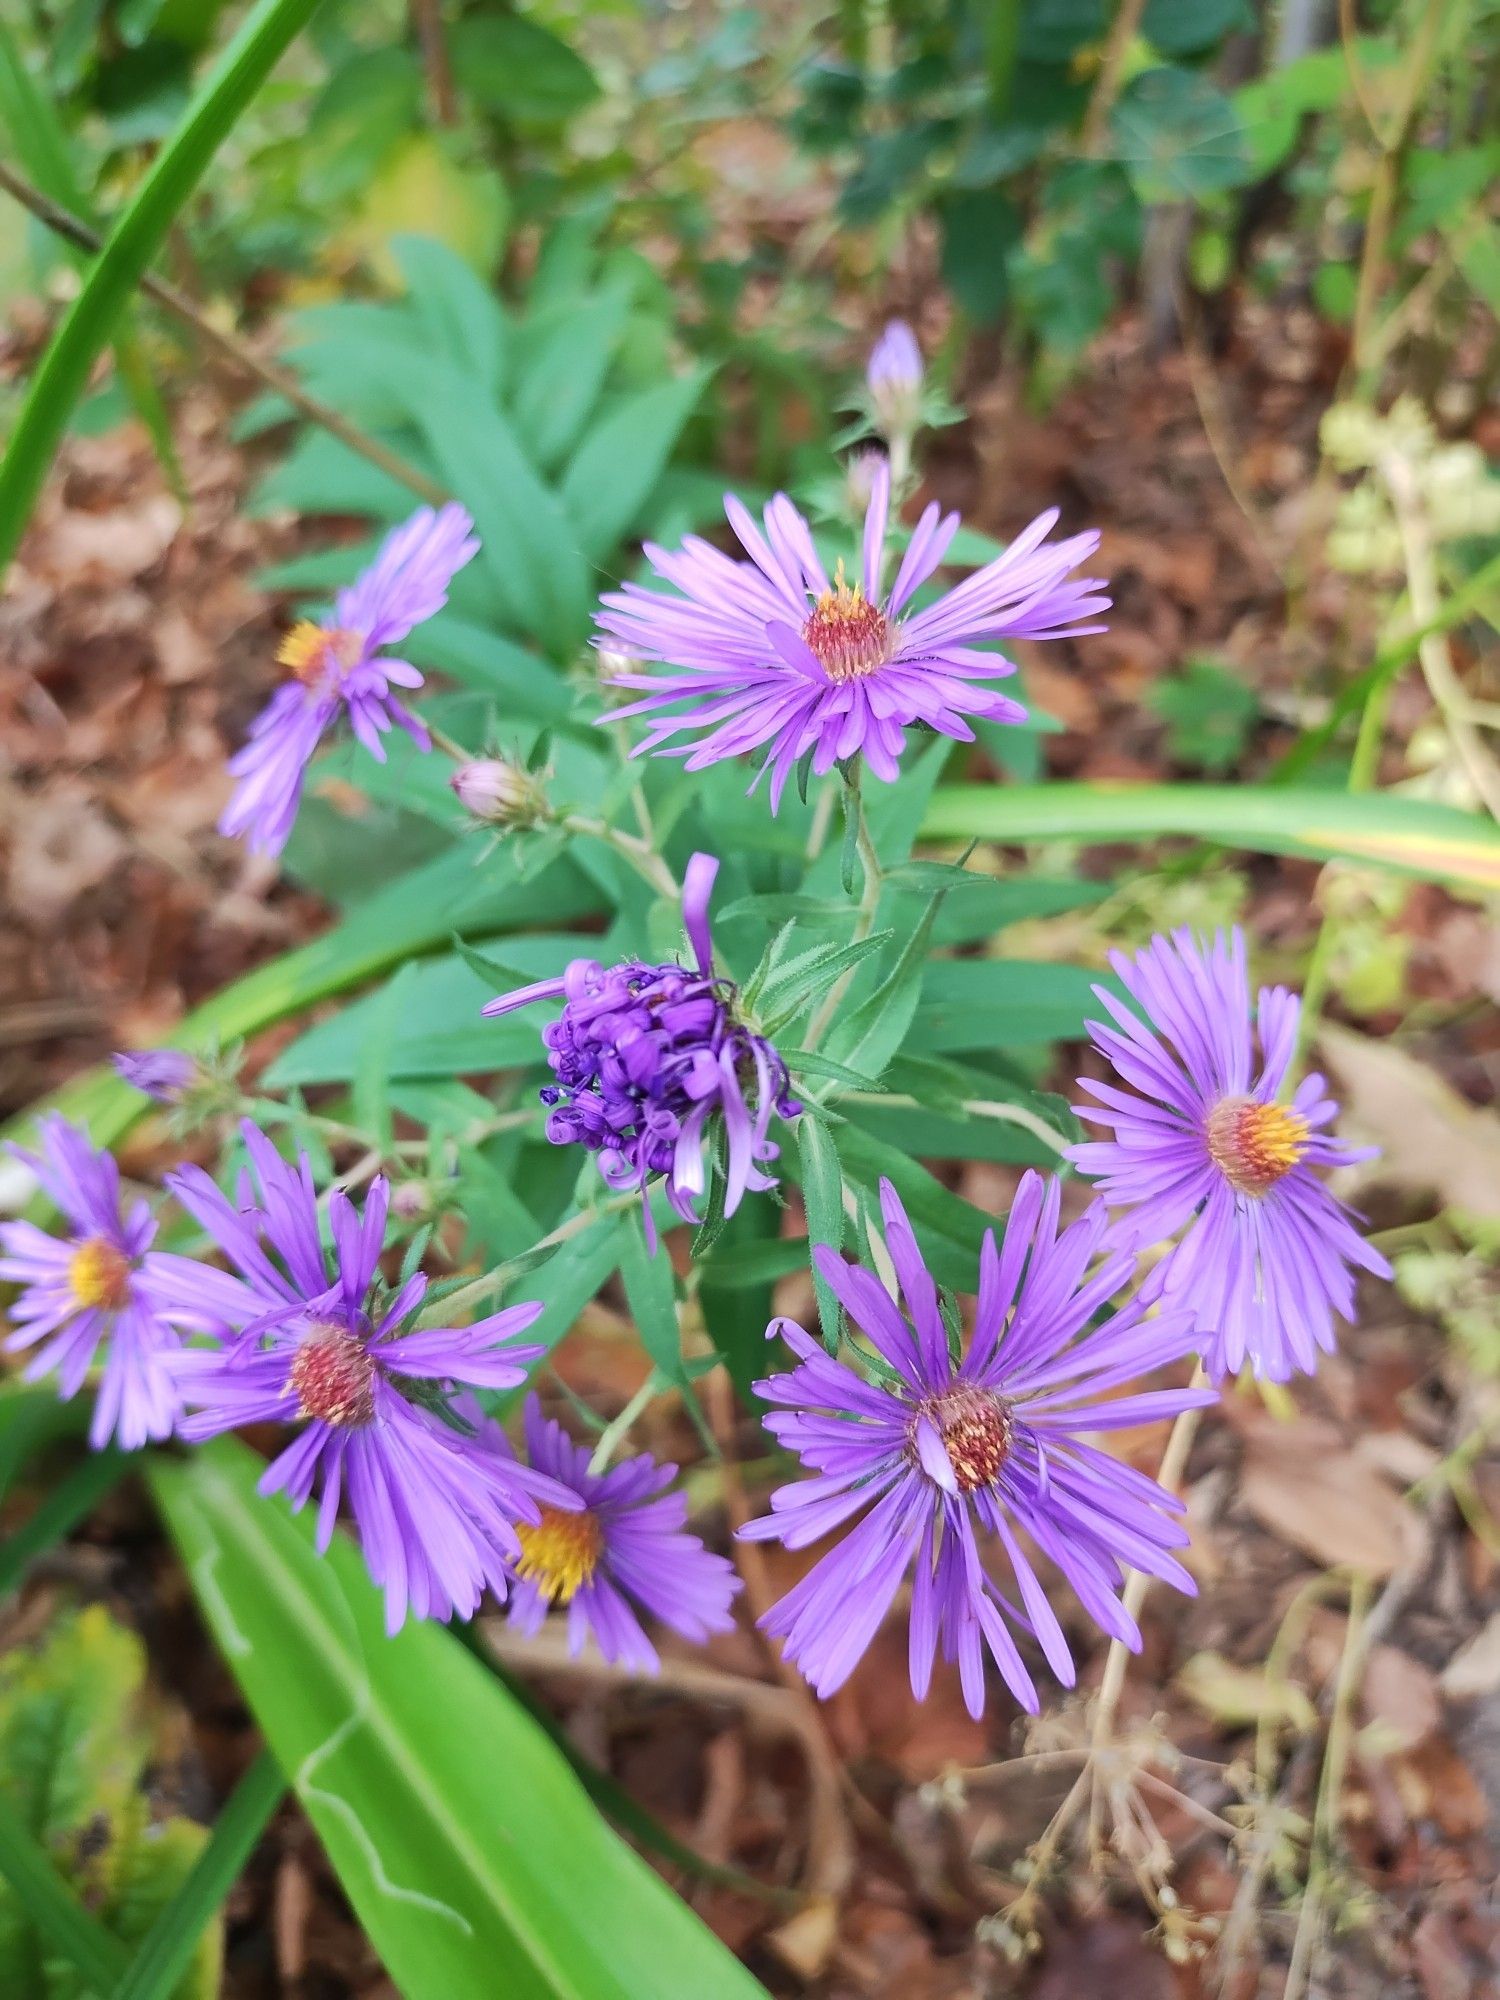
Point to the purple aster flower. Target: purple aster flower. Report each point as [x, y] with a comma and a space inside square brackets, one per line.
[435, 1507]
[942, 1450]
[894, 378]
[1200, 1140]
[772, 656]
[648, 1057]
[92, 1285]
[166, 1075]
[334, 666]
[623, 1551]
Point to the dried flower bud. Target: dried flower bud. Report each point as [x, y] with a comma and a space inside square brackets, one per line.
[499, 793]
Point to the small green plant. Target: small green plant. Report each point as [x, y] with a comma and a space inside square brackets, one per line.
[75, 1743]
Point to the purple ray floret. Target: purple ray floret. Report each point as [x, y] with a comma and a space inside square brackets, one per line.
[1202, 1143]
[647, 1057]
[946, 1459]
[165, 1075]
[92, 1285]
[624, 1551]
[338, 666]
[316, 1343]
[772, 656]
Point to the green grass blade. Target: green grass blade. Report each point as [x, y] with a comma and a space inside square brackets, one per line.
[54, 1909]
[72, 1500]
[469, 1850]
[1408, 835]
[93, 318]
[166, 1952]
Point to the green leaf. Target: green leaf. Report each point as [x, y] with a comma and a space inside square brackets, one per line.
[167, 1951]
[1184, 27]
[822, 1181]
[1409, 835]
[470, 1852]
[520, 69]
[999, 1003]
[32, 1893]
[652, 1298]
[617, 466]
[1209, 712]
[1178, 137]
[453, 302]
[62, 375]
[789, 987]
[560, 377]
[951, 1229]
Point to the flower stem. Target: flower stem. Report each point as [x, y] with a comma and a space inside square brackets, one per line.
[869, 903]
[479, 1289]
[1169, 1475]
[446, 743]
[642, 858]
[614, 1431]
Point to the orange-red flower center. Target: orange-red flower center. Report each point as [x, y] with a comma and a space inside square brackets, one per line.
[333, 1378]
[560, 1553]
[849, 636]
[309, 651]
[99, 1274]
[1253, 1145]
[975, 1427]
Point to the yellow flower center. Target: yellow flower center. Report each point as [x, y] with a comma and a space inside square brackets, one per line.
[975, 1427]
[1254, 1144]
[99, 1274]
[560, 1553]
[333, 1378]
[849, 636]
[309, 651]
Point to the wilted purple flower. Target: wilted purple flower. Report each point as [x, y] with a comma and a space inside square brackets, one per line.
[774, 655]
[95, 1284]
[334, 666]
[1201, 1140]
[946, 1449]
[648, 1056]
[894, 378]
[625, 1550]
[436, 1509]
[163, 1074]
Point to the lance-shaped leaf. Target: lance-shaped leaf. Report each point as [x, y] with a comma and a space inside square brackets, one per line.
[467, 1846]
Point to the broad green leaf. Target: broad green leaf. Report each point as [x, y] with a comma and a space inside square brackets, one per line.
[1409, 835]
[521, 69]
[1178, 137]
[467, 1846]
[62, 375]
[999, 1003]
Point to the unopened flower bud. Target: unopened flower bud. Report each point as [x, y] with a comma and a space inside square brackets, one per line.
[499, 793]
[411, 1201]
[165, 1075]
[894, 378]
[859, 479]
